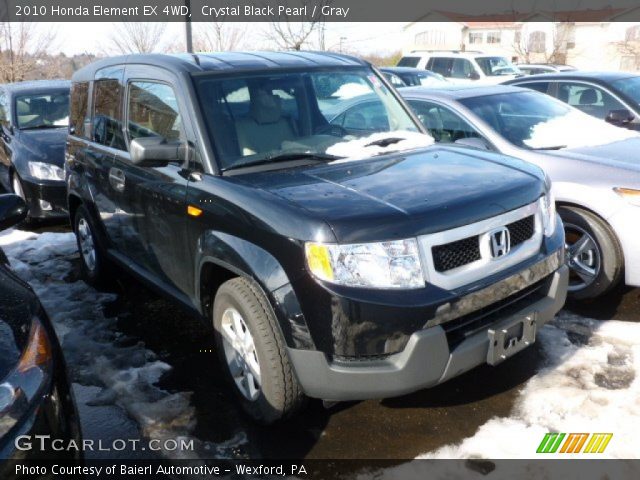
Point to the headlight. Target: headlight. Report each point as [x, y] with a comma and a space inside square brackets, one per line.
[394, 264]
[629, 194]
[26, 382]
[45, 171]
[548, 207]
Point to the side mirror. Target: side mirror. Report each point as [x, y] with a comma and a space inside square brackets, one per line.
[13, 210]
[473, 142]
[474, 75]
[619, 117]
[156, 151]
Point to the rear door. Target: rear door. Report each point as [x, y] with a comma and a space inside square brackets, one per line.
[154, 198]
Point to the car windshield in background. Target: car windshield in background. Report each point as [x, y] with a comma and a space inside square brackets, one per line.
[496, 66]
[630, 87]
[516, 116]
[409, 62]
[424, 79]
[43, 110]
[258, 118]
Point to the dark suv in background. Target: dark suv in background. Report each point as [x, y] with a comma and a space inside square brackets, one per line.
[339, 262]
[35, 118]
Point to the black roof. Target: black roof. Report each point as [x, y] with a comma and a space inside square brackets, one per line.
[36, 86]
[577, 75]
[220, 61]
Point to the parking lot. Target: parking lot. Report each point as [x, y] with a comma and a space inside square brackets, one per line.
[142, 367]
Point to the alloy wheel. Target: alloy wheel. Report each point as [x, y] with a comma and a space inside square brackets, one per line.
[87, 244]
[240, 354]
[585, 260]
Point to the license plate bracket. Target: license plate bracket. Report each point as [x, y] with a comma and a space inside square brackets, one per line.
[511, 336]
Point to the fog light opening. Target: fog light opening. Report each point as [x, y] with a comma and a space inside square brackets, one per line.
[44, 205]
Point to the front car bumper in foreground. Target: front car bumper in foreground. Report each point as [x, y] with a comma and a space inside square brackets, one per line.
[439, 351]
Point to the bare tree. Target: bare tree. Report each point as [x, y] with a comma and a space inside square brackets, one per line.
[219, 36]
[294, 35]
[629, 49]
[22, 48]
[533, 46]
[136, 37]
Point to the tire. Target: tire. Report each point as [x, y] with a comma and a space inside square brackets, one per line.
[276, 394]
[602, 254]
[16, 187]
[96, 272]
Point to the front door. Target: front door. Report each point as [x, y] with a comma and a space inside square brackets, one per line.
[154, 197]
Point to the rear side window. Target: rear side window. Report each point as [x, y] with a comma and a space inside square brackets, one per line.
[441, 65]
[4, 109]
[107, 126]
[153, 111]
[409, 62]
[542, 87]
[79, 116]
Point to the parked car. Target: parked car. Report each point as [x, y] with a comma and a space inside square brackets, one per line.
[393, 79]
[35, 396]
[411, 77]
[332, 263]
[35, 118]
[539, 68]
[610, 96]
[462, 67]
[595, 174]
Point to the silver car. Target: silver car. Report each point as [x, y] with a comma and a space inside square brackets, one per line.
[595, 169]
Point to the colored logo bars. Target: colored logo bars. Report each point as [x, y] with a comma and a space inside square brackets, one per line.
[573, 443]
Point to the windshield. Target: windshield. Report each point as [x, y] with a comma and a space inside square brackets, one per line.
[43, 110]
[496, 66]
[537, 121]
[408, 62]
[256, 117]
[630, 87]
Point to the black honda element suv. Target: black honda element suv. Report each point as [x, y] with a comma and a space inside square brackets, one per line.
[339, 260]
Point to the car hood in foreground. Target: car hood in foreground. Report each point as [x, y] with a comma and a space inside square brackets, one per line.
[397, 196]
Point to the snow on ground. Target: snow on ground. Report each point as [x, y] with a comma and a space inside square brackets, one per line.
[589, 383]
[97, 354]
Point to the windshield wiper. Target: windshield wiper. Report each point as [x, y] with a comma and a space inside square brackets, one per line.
[385, 142]
[284, 157]
[37, 127]
[554, 147]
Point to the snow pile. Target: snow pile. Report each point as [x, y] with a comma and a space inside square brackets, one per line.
[574, 130]
[96, 352]
[350, 90]
[360, 148]
[589, 383]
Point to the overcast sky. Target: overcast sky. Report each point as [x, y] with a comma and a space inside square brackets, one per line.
[74, 38]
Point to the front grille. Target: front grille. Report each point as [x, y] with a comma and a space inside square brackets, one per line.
[460, 328]
[456, 254]
[463, 252]
[521, 231]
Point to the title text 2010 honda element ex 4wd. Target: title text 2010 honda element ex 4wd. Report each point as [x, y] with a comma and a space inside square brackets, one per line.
[343, 260]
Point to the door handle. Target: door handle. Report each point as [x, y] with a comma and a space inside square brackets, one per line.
[117, 179]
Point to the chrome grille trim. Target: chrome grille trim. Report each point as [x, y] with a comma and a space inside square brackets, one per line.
[486, 265]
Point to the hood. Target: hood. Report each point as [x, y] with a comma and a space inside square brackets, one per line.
[623, 154]
[45, 145]
[395, 196]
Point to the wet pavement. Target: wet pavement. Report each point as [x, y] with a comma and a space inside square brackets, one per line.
[398, 428]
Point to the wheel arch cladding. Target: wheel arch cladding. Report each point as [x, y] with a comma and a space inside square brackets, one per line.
[220, 257]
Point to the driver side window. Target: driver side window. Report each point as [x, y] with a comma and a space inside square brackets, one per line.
[443, 125]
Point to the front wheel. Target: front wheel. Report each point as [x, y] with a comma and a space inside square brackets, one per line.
[594, 254]
[251, 350]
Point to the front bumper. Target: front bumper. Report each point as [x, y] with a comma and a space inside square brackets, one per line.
[429, 357]
[55, 193]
